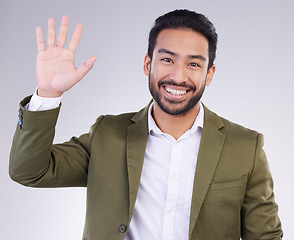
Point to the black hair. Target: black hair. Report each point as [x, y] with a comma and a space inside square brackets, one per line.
[185, 19]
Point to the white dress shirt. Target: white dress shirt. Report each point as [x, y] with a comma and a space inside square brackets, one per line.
[163, 204]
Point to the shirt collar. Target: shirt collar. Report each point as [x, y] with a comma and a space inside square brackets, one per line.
[198, 123]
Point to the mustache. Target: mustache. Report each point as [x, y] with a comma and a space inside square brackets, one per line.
[172, 82]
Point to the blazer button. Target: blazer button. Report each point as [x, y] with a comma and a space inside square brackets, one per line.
[122, 228]
[20, 112]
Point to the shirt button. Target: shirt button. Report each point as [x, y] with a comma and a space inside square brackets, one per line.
[122, 228]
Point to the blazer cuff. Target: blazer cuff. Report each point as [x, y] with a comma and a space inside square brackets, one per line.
[45, 119]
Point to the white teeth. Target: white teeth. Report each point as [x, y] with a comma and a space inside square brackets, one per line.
[175, 92]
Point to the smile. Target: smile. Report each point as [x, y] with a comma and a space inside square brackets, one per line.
[175, 92]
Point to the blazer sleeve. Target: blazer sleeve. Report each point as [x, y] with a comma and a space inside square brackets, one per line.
[260, 212]
[36, 162]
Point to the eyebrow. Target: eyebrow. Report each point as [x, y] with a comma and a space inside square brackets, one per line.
[164, 50]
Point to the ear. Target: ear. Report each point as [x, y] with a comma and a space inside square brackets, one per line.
[210, 75]
[147, 65]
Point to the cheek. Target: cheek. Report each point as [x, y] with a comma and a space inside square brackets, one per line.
[153, 80]
[154, 73]
[199, 80]
[159, 73]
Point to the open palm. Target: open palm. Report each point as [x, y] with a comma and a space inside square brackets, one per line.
[55, 68]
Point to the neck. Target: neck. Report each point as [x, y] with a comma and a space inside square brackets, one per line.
[177, 125]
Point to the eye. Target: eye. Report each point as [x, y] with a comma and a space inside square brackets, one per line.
[167, 60]
[194, 64]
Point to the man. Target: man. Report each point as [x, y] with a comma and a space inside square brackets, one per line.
[174, 170]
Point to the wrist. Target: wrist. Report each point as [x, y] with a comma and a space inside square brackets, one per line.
[48, 94]
[38, 103]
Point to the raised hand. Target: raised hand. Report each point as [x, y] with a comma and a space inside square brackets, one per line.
[55, 68]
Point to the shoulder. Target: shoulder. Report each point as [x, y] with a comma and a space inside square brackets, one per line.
[229, 128]
[116, 121]
[240, 144]
[122, 121]
[125, 119]
[232, 127]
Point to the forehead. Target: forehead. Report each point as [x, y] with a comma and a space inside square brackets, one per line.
[182, 41]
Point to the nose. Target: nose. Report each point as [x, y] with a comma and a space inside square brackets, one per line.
[179, 73]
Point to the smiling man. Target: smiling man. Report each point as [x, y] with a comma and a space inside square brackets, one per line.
[178, 74]
[174, 170]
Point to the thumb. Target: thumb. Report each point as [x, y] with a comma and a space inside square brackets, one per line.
[85, 67]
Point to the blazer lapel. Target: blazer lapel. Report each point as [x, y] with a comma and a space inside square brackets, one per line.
[211, 145]
[137, 137]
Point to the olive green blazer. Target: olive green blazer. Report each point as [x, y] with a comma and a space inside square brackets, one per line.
[233, 188]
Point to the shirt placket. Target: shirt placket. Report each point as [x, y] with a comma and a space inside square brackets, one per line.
[172, 192]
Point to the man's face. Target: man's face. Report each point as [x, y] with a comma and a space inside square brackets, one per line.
[178, 70]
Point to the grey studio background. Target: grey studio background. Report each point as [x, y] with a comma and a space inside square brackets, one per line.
[253, 86]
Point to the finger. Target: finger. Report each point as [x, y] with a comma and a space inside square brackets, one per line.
[62, 31]
[85, 68]
[40, 39]
[51, 33]
[74, 42]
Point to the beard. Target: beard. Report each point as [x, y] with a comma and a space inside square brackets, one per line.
[171, 107]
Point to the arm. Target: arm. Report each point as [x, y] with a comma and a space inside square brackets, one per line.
[260, 212]
[36, 162]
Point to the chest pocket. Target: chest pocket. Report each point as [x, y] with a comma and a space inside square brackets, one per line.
[228, 190]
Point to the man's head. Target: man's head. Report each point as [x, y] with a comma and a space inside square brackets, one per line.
[185, 19]
[179, 62]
